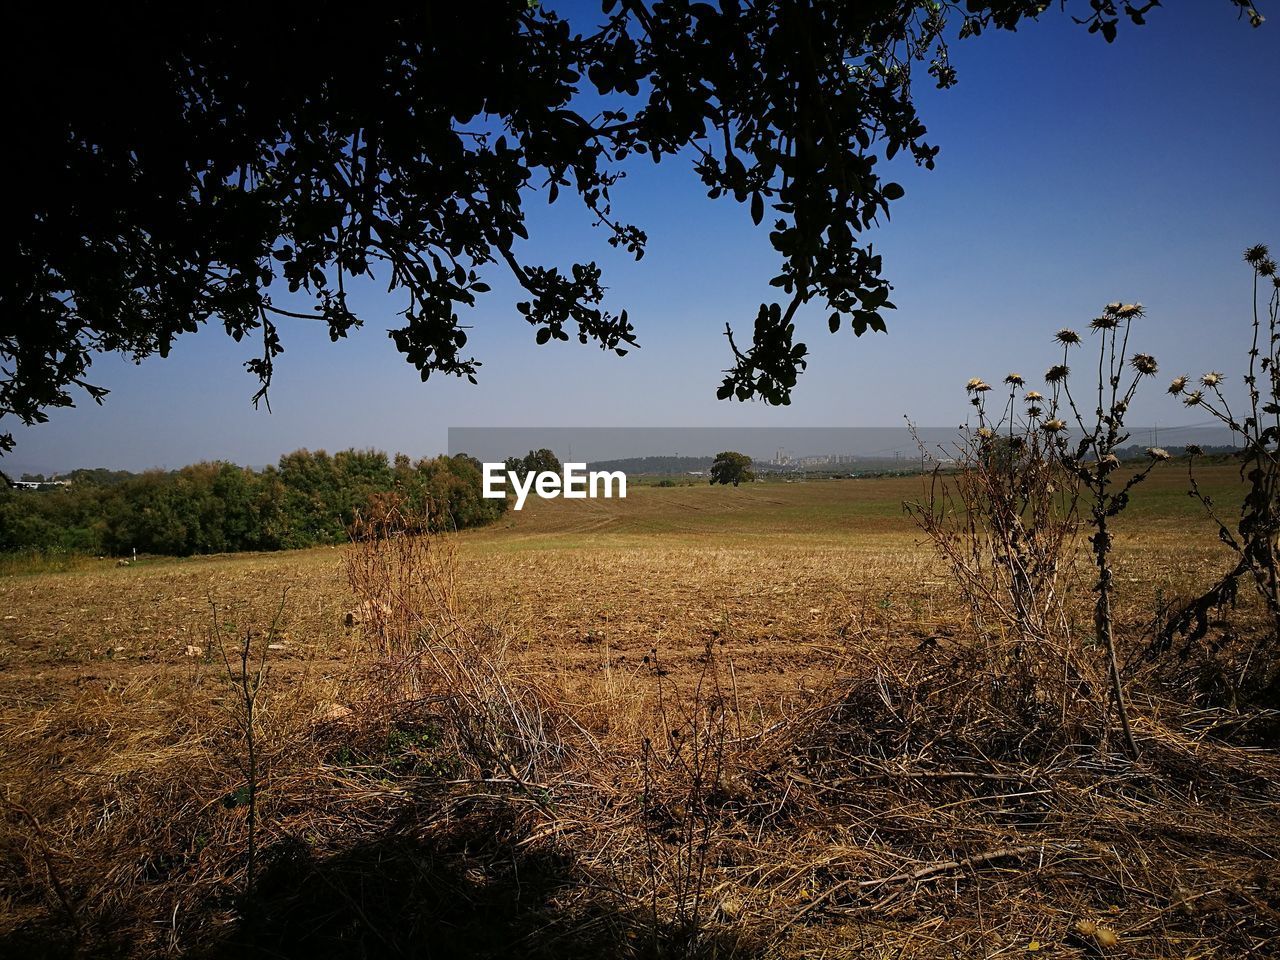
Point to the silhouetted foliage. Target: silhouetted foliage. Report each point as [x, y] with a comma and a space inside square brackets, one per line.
[307, 499]
[173, 164]
[731, 467]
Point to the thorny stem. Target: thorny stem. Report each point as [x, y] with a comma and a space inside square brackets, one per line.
[1102, 436]
[1101, 552]
[1259, 519]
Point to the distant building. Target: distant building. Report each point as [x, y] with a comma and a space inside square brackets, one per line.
[37, 484]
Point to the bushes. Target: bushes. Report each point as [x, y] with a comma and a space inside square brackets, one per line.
[308, 499]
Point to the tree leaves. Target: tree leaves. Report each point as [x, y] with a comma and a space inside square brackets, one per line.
[182, 164]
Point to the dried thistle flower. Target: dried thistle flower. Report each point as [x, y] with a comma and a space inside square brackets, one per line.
[1144, 363]
[1053, 426]
[1256, 254]
[1057, 373]
[1104, 937]
[1014, 380]
[1129, 311]
[1107, 321]
[986, 433]
[977, 385]
[1109, 462]
[1193, 449]
[1033, 396]
[1157, 453]
[1067, 337]
[1193, 398]
[1212, 378]
[1178, 385]
[1267, 268]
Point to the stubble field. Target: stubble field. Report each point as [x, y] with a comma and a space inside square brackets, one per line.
[779, 571]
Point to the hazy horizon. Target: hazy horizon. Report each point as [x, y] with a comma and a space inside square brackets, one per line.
[604, 444]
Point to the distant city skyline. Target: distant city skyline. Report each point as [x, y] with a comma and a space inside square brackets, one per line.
[1071, 173]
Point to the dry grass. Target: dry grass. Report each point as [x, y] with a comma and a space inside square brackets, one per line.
[674, 727]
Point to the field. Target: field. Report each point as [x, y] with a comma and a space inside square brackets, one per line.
[831, 798]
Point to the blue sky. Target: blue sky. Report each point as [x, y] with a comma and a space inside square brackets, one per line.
[1072, 173]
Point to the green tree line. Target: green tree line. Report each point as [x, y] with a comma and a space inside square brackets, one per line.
[308, 498]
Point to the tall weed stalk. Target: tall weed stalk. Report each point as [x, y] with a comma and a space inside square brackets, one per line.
[246, 672]
[1252, 534]
[1096, 462]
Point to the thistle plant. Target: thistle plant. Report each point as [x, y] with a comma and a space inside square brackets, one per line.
[1031, 470]
[1003, 519]
[1095, 461]
[1252, 535]
[1023, 505]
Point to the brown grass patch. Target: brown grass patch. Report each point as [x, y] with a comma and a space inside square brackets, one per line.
[738, 745]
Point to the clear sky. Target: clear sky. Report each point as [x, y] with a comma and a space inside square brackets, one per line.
[1072, 173]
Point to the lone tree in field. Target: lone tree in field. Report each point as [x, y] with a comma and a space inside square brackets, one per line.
[175, 164]
[731, 467]
[535, 461]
